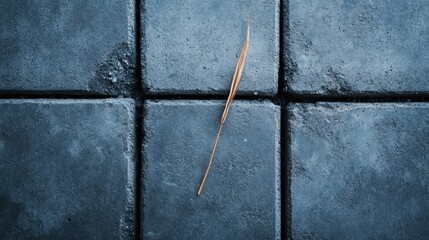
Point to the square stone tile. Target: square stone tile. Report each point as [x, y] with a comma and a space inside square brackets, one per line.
[357, 47]
[240, 199]
[192, 46]
[67, 46]
[67, 169]
[360, 171]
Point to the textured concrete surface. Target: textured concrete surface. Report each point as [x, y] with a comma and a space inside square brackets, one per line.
[337, 47]
[73, 46]
[360, 171]
[240, 199]
[67, 169]
[192, 46]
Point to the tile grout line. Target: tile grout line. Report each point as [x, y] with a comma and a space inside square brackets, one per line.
[285, 173]
[281, 100]
[139, 160]
[359, 98]
[138, 96]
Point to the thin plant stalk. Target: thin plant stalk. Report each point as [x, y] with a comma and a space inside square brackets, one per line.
[234, 86]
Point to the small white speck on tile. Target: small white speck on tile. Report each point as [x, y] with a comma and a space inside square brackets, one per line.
[245, 140]
[170, 184]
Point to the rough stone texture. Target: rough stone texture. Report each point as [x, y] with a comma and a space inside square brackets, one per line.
[360, 171]
[74, 46]
[364, 47]
[192, 46]
[240, 199]
[67, 169]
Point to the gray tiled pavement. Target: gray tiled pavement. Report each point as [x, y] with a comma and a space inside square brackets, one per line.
[286, 165]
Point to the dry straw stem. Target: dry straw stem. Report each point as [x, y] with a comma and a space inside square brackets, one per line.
[234, 86]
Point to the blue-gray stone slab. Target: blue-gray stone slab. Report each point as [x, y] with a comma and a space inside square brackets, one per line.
[67, 46]
[240, 199]
[366, 47]
[192, 46]
[67, 169]
[360, 171]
